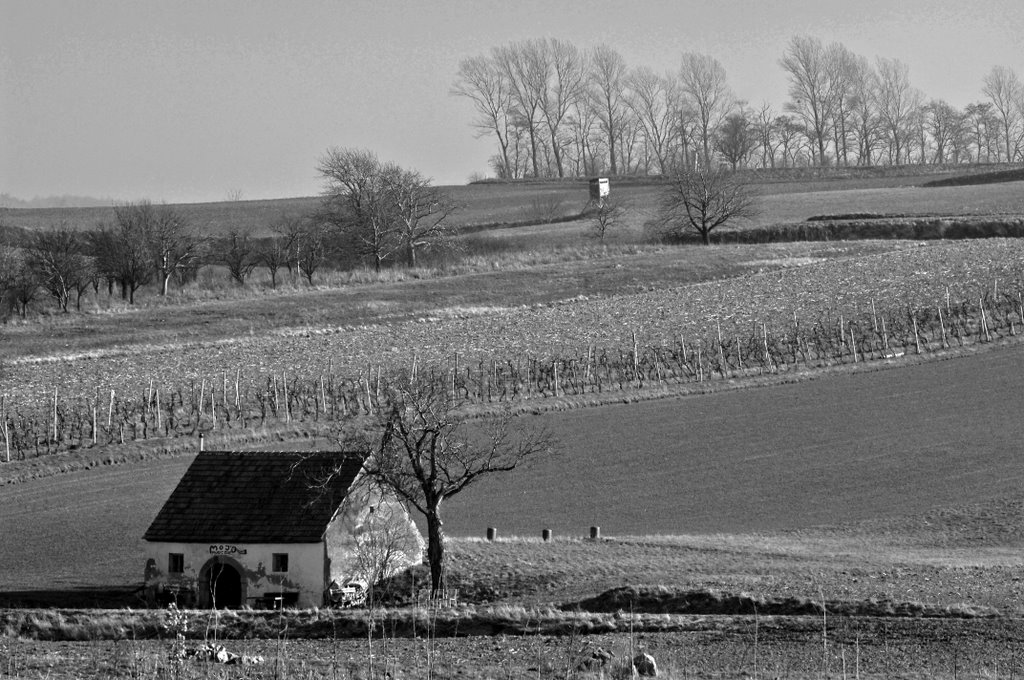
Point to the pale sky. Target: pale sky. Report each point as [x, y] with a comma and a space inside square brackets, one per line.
[187, 101]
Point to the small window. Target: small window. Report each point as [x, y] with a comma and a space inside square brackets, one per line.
[175, 563]
[280, 562]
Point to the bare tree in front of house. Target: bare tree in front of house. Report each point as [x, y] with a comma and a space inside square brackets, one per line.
[702, 200]
[422, 448]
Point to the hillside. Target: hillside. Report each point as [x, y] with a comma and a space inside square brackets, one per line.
[496, 203]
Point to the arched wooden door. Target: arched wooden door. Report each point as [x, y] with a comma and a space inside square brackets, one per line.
[221, 585]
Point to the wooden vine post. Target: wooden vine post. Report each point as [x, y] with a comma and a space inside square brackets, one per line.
[3, 423]
[984, 321]
[636, 360]
[202, 396]
[287, 405]
[721, 351]
[942, 327]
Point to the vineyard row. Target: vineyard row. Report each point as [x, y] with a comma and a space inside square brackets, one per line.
[228, 402]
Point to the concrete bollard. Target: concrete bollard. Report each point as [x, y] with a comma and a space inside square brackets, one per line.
[492, 533]
[545, 535]
[595, 533]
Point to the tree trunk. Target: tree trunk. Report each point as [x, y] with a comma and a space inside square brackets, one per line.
[557, 152]
[435, 550]
[533, 150]
[164, 281]
[705, 236]
[411, 256]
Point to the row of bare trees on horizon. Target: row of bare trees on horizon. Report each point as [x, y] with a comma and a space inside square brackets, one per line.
[554, 109]
[146, 244]
[371, 211]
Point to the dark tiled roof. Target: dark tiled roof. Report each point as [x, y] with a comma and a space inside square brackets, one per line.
[255, 497]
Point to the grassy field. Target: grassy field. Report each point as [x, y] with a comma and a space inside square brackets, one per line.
[494, 204]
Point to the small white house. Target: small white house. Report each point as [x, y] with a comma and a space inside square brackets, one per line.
[265, 529]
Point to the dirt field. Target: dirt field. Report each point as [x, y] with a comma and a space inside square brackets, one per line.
[714, 647]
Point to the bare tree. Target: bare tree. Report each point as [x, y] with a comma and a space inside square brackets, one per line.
[24, 286]
[702, 200]
[10, 262]
[982, 125]
[582, 123]
[863, 106]
[704, 86]
[564, 87]
[898, 102]
[527, 71]
[313, 249]
[607, 217]
[355, 202]
[174, 245]
[1004, 89]
[482, 80]
[19, 282]
[736, 139]
[788, 131]
[59, 260]
[654, 99]
[238, 254]
[943, 123]
[608, 95]
[426, 452]
[806, 64]
[842, 66]
[124, 252]
[418, 211]
[278, 250]
[386, 208]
